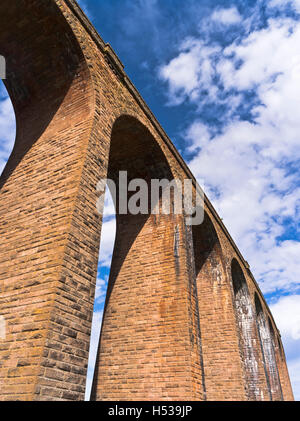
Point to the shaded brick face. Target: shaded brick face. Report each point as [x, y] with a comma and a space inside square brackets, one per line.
[256, 387]
[173, 322]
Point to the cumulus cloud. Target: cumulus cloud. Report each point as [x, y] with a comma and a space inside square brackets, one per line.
[287, 313]
[190, 74]
[228, 16]
[106, 249]
[295, 4]
[247, 165]
[107, 242]
[100, 292]
[250, 159]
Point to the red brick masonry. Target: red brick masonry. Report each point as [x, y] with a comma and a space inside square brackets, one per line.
[184, 318]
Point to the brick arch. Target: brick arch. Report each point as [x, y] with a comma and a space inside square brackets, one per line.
[207, 246]
[266, 343]
[135, 151]
[218, 329]
[247, 332]
[142, 310]
[29, 49]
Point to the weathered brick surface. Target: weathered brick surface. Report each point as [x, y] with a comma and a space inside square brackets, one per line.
[222, 361]
[172, 325]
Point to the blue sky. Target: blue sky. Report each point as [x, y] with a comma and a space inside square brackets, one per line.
[223, 79]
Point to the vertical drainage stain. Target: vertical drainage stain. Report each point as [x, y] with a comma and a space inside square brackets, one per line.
[176, 249]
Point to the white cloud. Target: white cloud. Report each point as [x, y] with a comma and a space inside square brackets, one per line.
[283, 3]
[199, 135]
[190, 74]
[287, 315]
[107, 242]
[246, 168]
[100, 292]
[227, 16]
[108, 231]
[250, 169]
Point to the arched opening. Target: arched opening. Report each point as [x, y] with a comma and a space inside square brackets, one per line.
[244, 313]
[276, 360]
[135, 152]
[145, 300]
[268, 352]
[207, 249]
[36, 95]
[218, 332]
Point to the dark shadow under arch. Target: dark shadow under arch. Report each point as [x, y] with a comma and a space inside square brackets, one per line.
[246, 323]
[276, 360]
[267, 347]
[43, 59]
[208, 267]
[133, 150]
[280, 348]
[206, 245]
[218, 325]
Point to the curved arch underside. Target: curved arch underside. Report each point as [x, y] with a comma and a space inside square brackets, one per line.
[134, 151]
[45, 67]
[144, 324]
[221, 356]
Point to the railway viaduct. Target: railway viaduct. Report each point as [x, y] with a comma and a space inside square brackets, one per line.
[184, 318]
